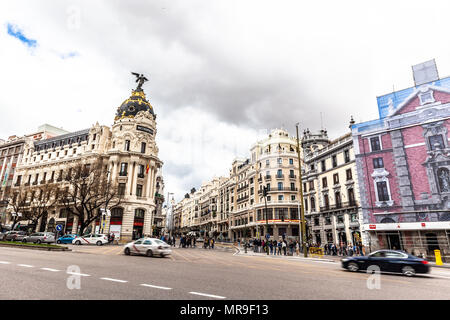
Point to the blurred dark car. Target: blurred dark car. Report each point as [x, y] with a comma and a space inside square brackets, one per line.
[388, 261]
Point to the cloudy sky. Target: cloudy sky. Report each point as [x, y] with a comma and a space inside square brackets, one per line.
[222, 73]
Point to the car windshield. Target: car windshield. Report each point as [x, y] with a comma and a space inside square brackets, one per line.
[378, 254]
[159, 242]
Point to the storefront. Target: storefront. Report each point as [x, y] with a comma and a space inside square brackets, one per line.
[138, 223]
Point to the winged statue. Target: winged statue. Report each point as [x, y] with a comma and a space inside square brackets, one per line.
[140, 78]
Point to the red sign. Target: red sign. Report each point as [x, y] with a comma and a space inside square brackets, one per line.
[372, 226]
[423, 224]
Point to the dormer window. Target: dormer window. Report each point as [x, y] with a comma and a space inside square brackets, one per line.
[426, 97]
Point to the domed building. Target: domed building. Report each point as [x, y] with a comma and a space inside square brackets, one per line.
[129, 156]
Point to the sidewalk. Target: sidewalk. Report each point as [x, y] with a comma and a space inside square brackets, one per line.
[327, 258]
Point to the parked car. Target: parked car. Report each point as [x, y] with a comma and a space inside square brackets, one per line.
[388, 261]
[40, 237]
[91, 238]
[15, 235]
[68, 238]
[2, 235]
[148, 247]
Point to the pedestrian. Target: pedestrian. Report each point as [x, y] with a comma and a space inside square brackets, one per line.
[271, 247]
[297, 248]
[284, 246]
[212, 243]
[279, 247]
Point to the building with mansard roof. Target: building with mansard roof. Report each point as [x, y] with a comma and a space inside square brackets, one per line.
[129, 153]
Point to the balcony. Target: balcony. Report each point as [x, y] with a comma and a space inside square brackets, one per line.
[242, 188]
[280, 176]
[60, 178]
[17, 184]
[34, 183]
[141, 175]
[27, 184]
[123, 173]
[338, 206]
[242, 199]
[267, 177]
[292, 176]
[42, 181]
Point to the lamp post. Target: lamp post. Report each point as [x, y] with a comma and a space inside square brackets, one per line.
[170, 220]
[267, 218]
[302, 209]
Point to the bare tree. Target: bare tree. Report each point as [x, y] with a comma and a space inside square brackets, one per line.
[88, 189]
[18, 206]
[44, 198]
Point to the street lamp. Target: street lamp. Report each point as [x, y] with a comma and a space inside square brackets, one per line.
[267, 218]
[170, 220]
[302, 209]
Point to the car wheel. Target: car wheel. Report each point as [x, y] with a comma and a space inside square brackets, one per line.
[149, 253]
[24, 240]
[408, 271]
[99, 243]
[127, 251]
[353, 266]
[58, 242]
[78, 242]
[38, 242]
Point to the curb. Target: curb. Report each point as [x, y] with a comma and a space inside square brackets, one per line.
[299, 258]
[22, 246]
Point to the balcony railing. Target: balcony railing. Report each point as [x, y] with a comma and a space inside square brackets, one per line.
[17, 184]
[123, 173]
[34, 183]
[292, 176]
[280, 176]
[267, 177]
[141, 175]
[337, 206]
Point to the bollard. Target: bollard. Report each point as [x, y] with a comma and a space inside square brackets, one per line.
[437, 254]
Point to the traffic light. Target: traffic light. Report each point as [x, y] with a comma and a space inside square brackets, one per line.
[264, 191]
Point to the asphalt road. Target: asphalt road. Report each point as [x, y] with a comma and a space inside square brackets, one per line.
[197, 274]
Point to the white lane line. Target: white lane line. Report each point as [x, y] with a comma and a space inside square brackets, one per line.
[207, 295]
[50, 269]
[5, 262]
[25, 265]
[78, 274]
[157, 287]
[115, 280]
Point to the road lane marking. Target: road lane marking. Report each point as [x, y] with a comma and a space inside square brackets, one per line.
[157, 287]
[178, 254]
[78, 274]
[50, 269]
[25, 265]
[207, 295]
[5, 262]
[115, 280]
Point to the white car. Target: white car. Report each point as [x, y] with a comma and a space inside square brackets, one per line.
[92, 238]
[148, 247]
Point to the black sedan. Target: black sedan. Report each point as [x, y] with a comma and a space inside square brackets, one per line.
[387, 261]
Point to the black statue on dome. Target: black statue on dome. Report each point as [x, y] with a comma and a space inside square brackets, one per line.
[140, 78]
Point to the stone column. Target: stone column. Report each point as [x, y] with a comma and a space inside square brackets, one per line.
[147, 228]
[127, 224]
[347, 229]
[75, 225]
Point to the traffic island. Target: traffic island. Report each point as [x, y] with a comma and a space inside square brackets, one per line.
[34, 246]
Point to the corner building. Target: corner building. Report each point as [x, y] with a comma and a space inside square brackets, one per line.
[130, 156]
[403, 163]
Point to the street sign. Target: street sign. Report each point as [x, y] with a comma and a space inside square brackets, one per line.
[267, 236]
[59, 227]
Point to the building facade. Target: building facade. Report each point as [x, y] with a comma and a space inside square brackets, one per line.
[129, 154]
[330, 190]
[11, 152]
[234, 207]
[404, 170]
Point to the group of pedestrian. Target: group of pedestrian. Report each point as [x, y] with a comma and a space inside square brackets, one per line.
[208, 243]
[343, 249]
[187, 241]
[280, 247]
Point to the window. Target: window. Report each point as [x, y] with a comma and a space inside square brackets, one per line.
[123, 169]
[353, 217]
[291, 161]
[95, 136]
[280, 186]
[348, 173]
[312, 167]
[347, 156]
[336, 178]
[269, 198]
[326, 201]
[121, 189]
[293, 186]
[378, 163]
[139, 190]
[340, 219]
[280, 197]
[311, 185]
[306, 204]
[143, 145]
[291, 174]
[334, 161]
[375, 144]
[313, 204]
[382, 190]
[267, 162]
[351, 197]
[337, 198]
[127, 145]
[280, 161]
[139, 213]
[279, 174]
[304, 187]
[322, 163]
[426, 97]
[141, 171]
[324, 182]
[436, 142]
[268, 186]
[292, 198]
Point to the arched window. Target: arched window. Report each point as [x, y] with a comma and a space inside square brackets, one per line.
[139, 213]
[116, 212]
[387, 220]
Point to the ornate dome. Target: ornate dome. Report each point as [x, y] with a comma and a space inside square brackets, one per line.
[135, 103]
